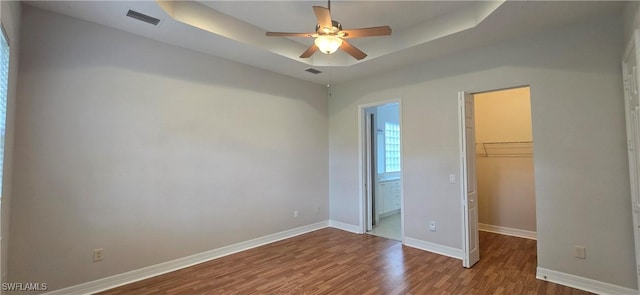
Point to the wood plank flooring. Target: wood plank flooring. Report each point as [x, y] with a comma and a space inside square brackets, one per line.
[331, 261]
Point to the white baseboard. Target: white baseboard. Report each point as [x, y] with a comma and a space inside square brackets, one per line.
[169, 266]
[346, 227]
[508, 231]
[383, 215]
[435, 248]
[581, 283]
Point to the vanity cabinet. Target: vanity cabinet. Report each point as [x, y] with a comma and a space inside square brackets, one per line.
[388, 197]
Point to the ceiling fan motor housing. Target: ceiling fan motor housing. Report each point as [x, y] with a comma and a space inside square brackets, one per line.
[337, 27]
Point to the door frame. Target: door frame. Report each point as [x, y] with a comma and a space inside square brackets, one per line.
[362, 159]
[370, 159]
[631, 83]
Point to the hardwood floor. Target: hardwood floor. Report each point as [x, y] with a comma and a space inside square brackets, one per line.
[331, 261]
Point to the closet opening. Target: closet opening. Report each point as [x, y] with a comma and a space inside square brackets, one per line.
[498, 192]
[504, 162]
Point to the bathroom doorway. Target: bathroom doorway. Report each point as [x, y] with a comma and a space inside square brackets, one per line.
[382, 169]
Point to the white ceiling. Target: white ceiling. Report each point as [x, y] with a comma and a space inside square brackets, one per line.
[422, 30]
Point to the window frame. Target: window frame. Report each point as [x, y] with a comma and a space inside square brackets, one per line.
[5, 36]
[391, 147]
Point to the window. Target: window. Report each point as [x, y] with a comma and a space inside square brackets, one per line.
[391, 147]
[4, 86]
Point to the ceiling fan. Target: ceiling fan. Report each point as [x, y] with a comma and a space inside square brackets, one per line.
[330, 36]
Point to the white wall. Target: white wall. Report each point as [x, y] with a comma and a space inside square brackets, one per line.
[152, 152]
[581, 177]
[10, 17]
[506, 193]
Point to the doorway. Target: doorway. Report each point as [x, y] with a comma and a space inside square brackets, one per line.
[498, 173]
[504, 162]
[382, 198]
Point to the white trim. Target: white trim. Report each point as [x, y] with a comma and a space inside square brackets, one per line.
[362, 192]
[632, 48]
[508, 231]
[169, 266]
[434, 248]
[581, 283]
[402, 205]
[462, 136]
[356, 229]
[379, 103]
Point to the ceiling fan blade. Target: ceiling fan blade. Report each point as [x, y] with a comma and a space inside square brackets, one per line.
[351, 50]
[283, 34]
[310, 51]
[324, 17]
[367, 32]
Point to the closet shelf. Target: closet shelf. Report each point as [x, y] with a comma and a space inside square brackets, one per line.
[513, 149]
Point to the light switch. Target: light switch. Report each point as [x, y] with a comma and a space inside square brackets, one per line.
[452, 178]
[581, 252]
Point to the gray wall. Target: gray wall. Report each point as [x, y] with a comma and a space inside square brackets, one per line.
[11, 22]
[152, 152]
[630, 20]
[581, 174]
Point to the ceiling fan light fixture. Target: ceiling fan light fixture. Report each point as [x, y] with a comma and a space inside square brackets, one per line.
[328, 44]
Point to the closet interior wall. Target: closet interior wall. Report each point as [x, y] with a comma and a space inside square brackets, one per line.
[504, 147]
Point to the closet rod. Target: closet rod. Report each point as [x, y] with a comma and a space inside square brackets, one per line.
[505, 149]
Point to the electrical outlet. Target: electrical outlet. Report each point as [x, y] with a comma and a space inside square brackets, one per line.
[452, 178]
[97, 254]
[580, 252]
[432, 225]
[295, 213]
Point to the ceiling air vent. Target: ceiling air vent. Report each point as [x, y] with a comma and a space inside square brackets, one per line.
[143, 17]
[313, 71]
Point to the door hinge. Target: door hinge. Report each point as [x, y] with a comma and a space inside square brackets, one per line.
[625, 82]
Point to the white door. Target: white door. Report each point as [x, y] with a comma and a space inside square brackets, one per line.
[471, 249]
[632, 115]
